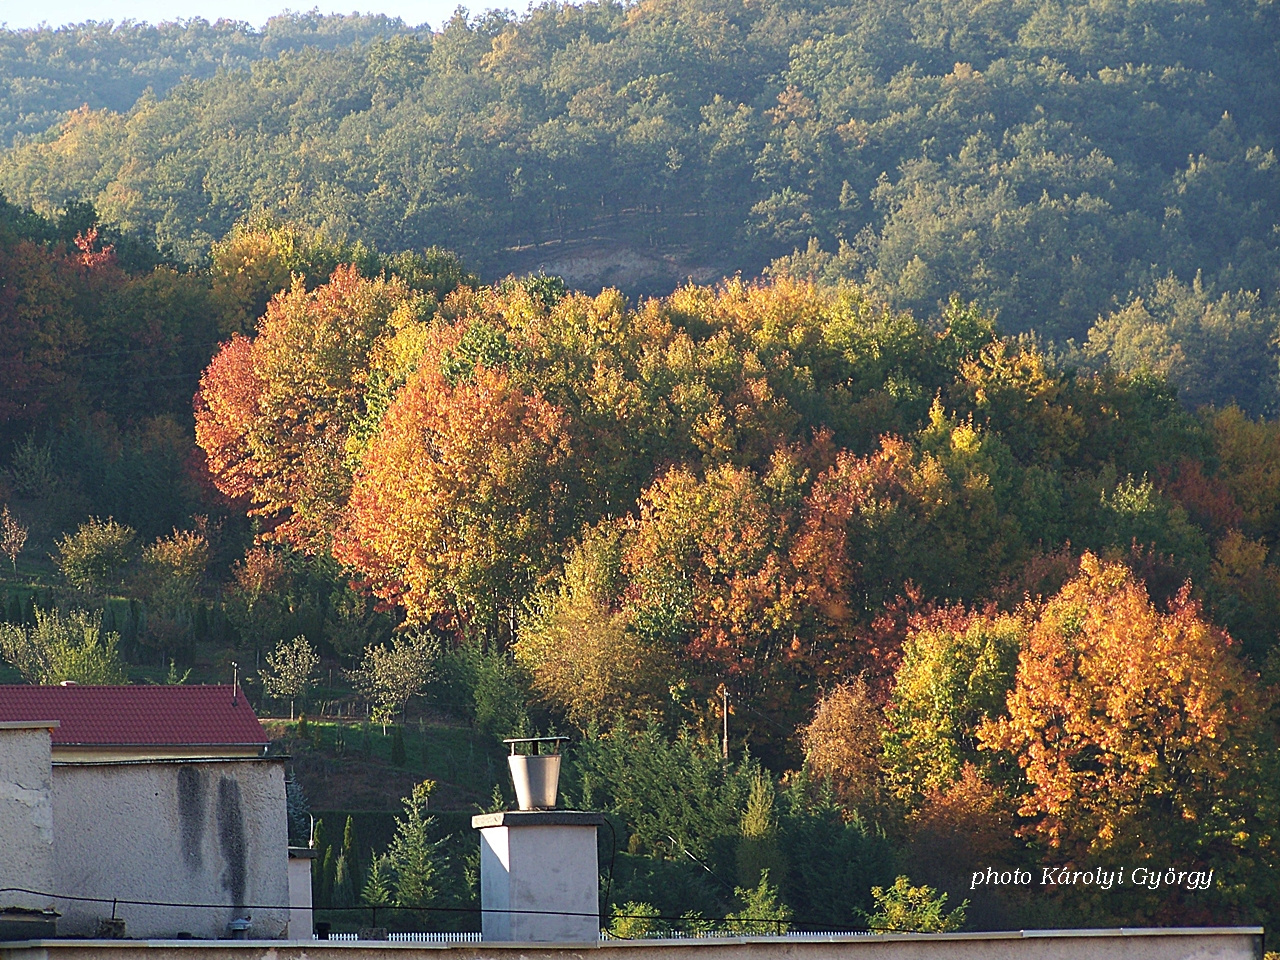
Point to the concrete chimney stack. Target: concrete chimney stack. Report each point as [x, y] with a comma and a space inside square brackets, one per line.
[539, 878]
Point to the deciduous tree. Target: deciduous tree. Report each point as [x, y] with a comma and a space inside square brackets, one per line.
[13, 536]
[62, 647]
[1139, 733]
[459, 499]
[957, 668]
[390, 675]
[290, 669]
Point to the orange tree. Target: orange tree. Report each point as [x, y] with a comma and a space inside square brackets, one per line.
[711, 580]
[1142, 738]
[274, 414]
[459, 499]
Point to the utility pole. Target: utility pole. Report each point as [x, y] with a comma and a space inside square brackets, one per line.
[724, 707]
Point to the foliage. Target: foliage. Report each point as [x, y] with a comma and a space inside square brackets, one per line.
[413, 857]
[258, 594]
[488, 688]
[842, 742]
[957, 668]
[274, 413]
[174, 567]
[343, 894]
[761, 914]
[676, 795]
[903, 908]
[635, 921]
[95, 556]
[759, 851]
[960, 823]
[291, 666]
[54, 69]
[1215, 349]
[379, 889]
[1137, 731]
[583, 654]
[391, 674]
[458, 499]
[834, 857]
[60, 647]
[1049, 162]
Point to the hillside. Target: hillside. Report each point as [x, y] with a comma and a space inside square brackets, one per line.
[894, 383]
[49, 72]
[1052, 161]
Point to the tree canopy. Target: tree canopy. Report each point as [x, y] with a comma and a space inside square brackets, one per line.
[1059, 163]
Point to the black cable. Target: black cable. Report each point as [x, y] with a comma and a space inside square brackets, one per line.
[685, 850]
[285, 906]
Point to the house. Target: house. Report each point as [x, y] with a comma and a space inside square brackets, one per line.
[157, 806]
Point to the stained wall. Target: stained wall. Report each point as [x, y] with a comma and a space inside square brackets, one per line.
[210, 833]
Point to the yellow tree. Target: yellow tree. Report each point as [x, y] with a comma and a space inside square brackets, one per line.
[842, 742]
[581, 649]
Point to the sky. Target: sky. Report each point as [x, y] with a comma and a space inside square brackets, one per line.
[17, 14]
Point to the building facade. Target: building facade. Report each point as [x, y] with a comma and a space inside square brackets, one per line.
[155, 806]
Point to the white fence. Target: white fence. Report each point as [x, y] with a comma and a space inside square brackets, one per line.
[474, 937]
[417, 937]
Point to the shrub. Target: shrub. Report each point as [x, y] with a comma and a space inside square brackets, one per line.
[95, 556]
[903, 908]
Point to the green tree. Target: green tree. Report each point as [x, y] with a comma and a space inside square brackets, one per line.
[668, 788]
[414, 858]
[95, 556]
[61, 647]
[350, 850]
[379, 886]
[957, 669]
[762, 913]
[344, 894]
[392, 674]
[759, 853]
[635, 921]
[1219, 350]
[291, 666]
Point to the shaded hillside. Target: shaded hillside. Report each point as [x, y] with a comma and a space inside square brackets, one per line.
[1050, 160]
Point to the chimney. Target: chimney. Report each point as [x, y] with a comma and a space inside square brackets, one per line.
[539, 878]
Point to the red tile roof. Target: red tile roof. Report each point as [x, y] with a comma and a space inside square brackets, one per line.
[137, 716]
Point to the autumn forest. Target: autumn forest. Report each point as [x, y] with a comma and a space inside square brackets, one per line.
[933, 437]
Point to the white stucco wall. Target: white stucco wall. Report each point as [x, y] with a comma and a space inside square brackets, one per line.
[26, 815]
[540, 869]
[301, 923]
[192, 832]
